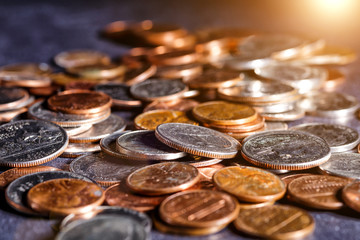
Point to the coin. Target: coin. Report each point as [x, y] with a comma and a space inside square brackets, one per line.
[197, 140]
[198, 161]
[65, 196]
[8, 116]
[162, 178]
[350, 195]
[29, 143]
[334, 80]
[292, 115]
[74, 150]
[249, 184]
[180, 71]
[76, 58]
[288, 178]
[199, 208]
[84, 85]
[25, 80]
[342, 165]
[285, 150]
[270, 126]
[176, 105]
[257, 124]
[318, 191]
[11, 97]
[36, 68]
[339, 138]
[137, 73]
[170, 57]
[98, 71]
[144, 145]
[16, 191]
[207, 172]
[66, 79]
[275, 222]
[71, 131]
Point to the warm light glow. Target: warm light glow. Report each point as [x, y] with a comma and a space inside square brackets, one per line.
[334, 6]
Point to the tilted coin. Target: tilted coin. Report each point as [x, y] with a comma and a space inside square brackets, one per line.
[71, 131]
[67, 80]
[256, 124]
[143, 144]
[8, 116]
[16, 191]
[351, 195]
[285, 150]
[163, 178]
[292, 115]
[27, 143]
[342, 165]
[170, 57]
[176, 105]
[99, 71]
[318, 191]
[74, 150]
[136, 73]
[11, 97]
[207, 172]
[275, 222]
[100, 130]
[198, 161]
[199, 208]
[180, 71]
[65, 196]
[249, 184]
[196, 140]
[28, 80]
[340, 138]
[76, 58]
[84, 85]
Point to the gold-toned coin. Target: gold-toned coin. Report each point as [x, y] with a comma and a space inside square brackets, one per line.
[99, 71]
[224, 113]
[257, 124]
[171, 57]
[275, 222]
[244, 206]
[249, 184]
[65, 196]
[176, 105]
[351, 195]
[77, 58]
[65, 79]
[150, 120]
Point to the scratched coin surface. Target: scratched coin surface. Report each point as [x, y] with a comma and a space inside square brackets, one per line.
[197, 140]
[199, 208]
[120, 94]
[27, 143]
[249, 184]
[351, 195]
[16, 192]
[342, 165]
[318, 191]
[163, 178]
[285, 150]
[340, 138]
[143, 144]
[275, 222]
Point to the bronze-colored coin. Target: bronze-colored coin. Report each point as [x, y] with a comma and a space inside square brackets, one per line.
[174, 57]
[80, 102]
[240, 136]
[163, 178]
[77, 58]
[65, 196]
[176, 105]
[7, 116]
[138, 72]
[199, 208]
[150, 120]
[25, 80]
[10, 175]
[257, 124]
[250, 184]
[206, 173]
[275, 222]
[289, 178]
[318, 191]
[99, 71]
[180, 71]
[351, 195]
[244, 205]
[65, 79]
[44, 91]
[224, 113]
[84, 85]
[334, 79]
[35, 68]
[120, 195]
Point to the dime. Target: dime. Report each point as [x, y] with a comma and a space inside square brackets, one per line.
[249, 184]
[285, 150]
[98, 71]
[275, 222]
[163, 178]
[143, 144]
[176, 105]
[77, 58]
[197, 140]
[16, 191]
[74, 150]
[11, 97]
[342, 165]
[29, 143]
[339, 138]
[292, 115]
[199, 208]
[318, 191]
[351, 195]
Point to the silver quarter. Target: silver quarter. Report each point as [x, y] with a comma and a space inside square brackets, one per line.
[343, 165]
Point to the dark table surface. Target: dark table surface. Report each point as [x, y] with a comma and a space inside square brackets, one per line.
[34, 31]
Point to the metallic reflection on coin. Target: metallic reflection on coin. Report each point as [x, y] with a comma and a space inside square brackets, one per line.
[29, 143]
[176, 105]
[285, 150]
[11, 97]
[80, 57]
[71, 131]
[269, 126]
[351, 195]
[198, 162]
[78, 149]
[292, 115]
[342, 165]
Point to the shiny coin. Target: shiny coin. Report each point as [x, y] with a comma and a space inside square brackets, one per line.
[318, 191]
[198, 162]
[249, 184]
[351, 195]
[196, 140]
[70, 80]
[29, 143]
[16, 191]
[77, 196]
[139, 72]
[77, 58]
[288, 178]
[292, 115]
[334, 80]
[270, 126]
[342, 165]
[339, 138]
[285, 150]
[176, 105]
[199, 208]
[71, 131]
[25, 80]
[11, 97]
[257, 124]
[174, 57]
[8, 116]
[144, 145]
[275, 222]
[74, 150]
[98, 71]
[180, 71]
[163, 178]
[36, 68]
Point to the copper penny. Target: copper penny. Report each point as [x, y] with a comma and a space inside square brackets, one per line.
[120, 195]
[137, 73]
[98, 71]
[318, 191]
[289, 178]
[163, 178]
[250, 184]
[351, 195]
[44, 91]
[199, 208]
[206, 173]
[80, 102]
[180, 71]
[176, 105]
[65, 196]
[257, 124]
[174, 57]
[76, 58]
[84, 85]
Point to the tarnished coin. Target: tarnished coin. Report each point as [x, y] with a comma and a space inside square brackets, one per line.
[143, 144]
[340, 138]
[249, 184]
[196, 140]
[342, 165]
[77, 58]
[318, 191]
[11, 97]
[163, 178]
[285, 150]
[199, 208]
[176, 105]
[74, 150]
[29, 143]
[65, 196]
[275, 222]
[17, 190]
[351, 195]
[100, 130]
